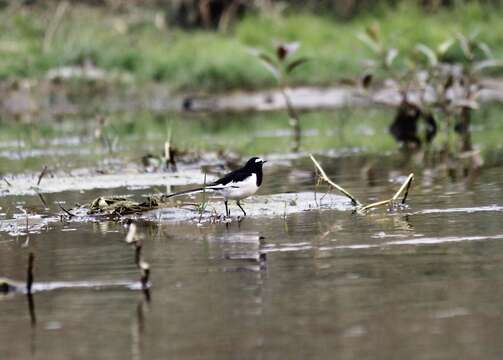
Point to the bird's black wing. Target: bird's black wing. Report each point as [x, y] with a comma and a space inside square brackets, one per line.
[236, 175]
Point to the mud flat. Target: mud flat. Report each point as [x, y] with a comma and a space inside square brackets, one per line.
[276, 205]
[27, 185]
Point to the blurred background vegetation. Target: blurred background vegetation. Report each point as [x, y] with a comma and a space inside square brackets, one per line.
[204, 45]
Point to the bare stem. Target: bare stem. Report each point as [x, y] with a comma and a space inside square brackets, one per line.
[375, 204]
[405, 186]
[360, 207]
[54, 24]
[202, 206]
[327, 179]
[294, 119]
[42, 174]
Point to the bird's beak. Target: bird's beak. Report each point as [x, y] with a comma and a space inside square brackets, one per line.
[264, 161]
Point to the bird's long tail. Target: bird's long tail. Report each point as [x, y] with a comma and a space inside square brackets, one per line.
[191, 191]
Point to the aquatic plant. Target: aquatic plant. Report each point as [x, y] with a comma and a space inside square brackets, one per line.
[281, 65]
[439, 85]
[455, 86]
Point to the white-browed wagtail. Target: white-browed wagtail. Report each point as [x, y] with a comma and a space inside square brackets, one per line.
[236, 185]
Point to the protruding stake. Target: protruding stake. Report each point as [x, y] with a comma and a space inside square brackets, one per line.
[29, 273]
[145, 273]
[131, 234]
[137, 252]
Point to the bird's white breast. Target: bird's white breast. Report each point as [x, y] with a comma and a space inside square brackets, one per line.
[242, 189]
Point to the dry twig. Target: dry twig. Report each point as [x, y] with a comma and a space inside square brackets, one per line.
[42, 174]
[359, 206]
[324, 177]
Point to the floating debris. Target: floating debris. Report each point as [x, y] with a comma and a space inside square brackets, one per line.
[116, 205]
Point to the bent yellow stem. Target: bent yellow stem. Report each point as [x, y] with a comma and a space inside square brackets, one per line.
[360, 208]
[327, 179]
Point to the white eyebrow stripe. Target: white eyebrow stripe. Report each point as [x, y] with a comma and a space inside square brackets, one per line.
[259, 160]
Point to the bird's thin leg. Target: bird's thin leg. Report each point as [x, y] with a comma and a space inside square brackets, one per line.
[243, 210]
[227, 212]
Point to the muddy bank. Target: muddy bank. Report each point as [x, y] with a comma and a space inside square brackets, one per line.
[50, 98]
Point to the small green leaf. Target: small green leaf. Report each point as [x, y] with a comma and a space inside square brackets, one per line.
[269, 64]
[296, 63]
[391, 55]
[428, 53]
[374, 32]
[364, 38]
[485, 49]
[465, 46]
[443, 47]
[486, 64]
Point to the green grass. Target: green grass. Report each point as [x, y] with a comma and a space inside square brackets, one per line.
[208, 61]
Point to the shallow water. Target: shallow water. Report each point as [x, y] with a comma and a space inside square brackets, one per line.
[424, 280]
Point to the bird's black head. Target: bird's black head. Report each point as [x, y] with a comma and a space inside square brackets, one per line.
[254, 164]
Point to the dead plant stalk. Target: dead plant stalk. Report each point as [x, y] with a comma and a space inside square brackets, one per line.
[359, 206]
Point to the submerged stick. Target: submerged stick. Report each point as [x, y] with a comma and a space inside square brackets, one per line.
[327, 179]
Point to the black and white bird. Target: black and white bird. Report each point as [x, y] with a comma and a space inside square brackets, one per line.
[236, 185]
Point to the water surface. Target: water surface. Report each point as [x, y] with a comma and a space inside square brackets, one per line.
[425, 281]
